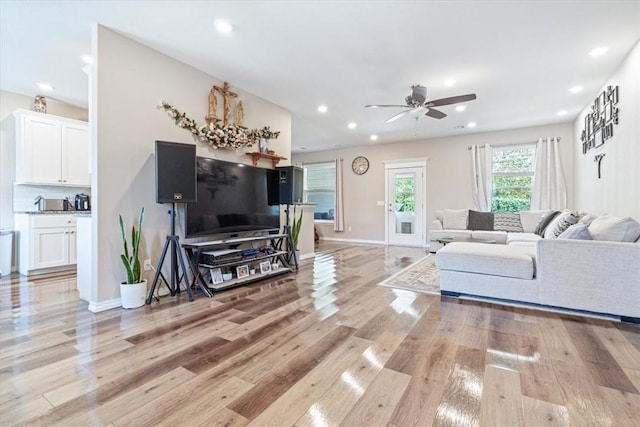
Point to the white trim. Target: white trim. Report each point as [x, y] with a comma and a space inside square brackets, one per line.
[97, 307]
[339, 239]
[406, 163]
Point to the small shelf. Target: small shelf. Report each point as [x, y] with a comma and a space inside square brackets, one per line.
[249, 279]
[256, 155]
[248, 259]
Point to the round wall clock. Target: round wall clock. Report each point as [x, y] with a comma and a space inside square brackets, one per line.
[360, 165]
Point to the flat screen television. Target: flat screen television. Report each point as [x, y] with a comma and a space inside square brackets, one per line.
[232, 198]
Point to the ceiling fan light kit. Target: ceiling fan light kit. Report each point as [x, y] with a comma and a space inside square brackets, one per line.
[418, 100]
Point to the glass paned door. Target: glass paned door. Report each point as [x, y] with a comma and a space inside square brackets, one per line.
[405, 206]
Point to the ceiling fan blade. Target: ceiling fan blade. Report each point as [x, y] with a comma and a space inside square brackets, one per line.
[397, 116]
[449, 101]
[386, 105]
[436, 114]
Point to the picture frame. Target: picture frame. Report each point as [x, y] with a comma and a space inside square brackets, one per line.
[242, 271]
[216, 276]
[602, 100]
[608, 112]
[265, 267]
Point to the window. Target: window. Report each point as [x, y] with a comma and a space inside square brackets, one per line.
[512, 177]
[320, 188]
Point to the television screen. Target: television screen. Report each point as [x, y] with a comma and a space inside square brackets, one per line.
[232, 198]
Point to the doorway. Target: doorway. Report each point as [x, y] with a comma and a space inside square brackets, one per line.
[405, 202]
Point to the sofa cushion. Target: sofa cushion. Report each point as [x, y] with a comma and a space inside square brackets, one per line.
[544, 223]
[439, 214]
[480, 221]
[531, 219]
[522, 237]
[586, 218]
[560, 223]
[507, 221]
[455, 219]
[499, 236]
[614, 229]
[576, 232]
[496, 260]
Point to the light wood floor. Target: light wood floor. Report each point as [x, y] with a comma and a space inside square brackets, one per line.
[323, 347]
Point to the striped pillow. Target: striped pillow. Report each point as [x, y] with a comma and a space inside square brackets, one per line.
[507, 221]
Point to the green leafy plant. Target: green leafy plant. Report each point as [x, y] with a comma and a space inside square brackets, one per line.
[295, 228]
[131, 260]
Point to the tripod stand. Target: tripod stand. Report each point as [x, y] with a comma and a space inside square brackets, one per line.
[290, 247]
[174, 241]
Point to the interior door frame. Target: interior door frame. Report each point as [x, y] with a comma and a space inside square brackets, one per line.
[420, 162]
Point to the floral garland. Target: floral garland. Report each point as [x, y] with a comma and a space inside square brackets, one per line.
[217, 135]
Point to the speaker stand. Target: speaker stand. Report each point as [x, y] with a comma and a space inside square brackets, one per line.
[172, 241]
[290, 248]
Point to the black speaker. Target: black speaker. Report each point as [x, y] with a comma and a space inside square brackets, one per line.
[290, 184]
[175, 172]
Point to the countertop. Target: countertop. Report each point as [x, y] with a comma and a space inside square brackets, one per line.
[76, 213]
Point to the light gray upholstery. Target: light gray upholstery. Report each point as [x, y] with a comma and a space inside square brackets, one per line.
[495, 260]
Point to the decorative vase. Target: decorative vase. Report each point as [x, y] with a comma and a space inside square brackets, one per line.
[133, 295]
[263, 145]
[40, 104]
[227, 276]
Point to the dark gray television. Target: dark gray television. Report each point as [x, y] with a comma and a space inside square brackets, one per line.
[232, 198]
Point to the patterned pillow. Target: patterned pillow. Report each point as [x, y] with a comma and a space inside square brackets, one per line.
[507, 221]
[560, 223]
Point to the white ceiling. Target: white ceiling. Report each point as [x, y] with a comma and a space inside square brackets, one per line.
[519, 57]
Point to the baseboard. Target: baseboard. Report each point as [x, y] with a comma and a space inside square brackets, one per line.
[97, 307]
[307, 256]
[339, 239]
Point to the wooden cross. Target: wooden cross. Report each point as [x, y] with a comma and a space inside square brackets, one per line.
[227, 95]
[598, 159]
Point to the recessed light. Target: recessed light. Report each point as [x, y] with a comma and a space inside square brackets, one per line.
[599, 51]
[373, 137]
[576, 89]
[449, 82]
[223, 26]
[471, 124]
[87, 59]
[45, 86]
[562, 113]
[352, 125]
[461, 108]
[322, 108]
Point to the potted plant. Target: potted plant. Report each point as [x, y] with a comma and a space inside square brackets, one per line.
[134, 289]
[295, 232]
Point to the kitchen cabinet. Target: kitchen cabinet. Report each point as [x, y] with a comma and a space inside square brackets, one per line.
[47, 242]
[51, 150]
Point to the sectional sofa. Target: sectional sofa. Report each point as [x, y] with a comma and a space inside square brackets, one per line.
[592, 266]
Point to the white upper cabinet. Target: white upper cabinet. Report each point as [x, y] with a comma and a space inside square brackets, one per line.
[51, 150]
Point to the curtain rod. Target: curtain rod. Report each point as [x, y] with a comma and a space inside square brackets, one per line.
[469, 147]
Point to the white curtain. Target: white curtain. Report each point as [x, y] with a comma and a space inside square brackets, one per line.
[549, 189]
[481, 175]
[338, 221]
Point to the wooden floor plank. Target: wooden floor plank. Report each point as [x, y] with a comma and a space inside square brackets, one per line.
[323, 346]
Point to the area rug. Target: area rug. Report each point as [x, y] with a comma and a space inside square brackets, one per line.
[421, 276]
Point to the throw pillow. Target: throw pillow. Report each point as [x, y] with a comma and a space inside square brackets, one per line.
[577, 232]
[587, 219]
[480, 221]
[507, 221]
[531, 219]
[560, 223]
[455, 219]
[614, 229]
[439, 214]
[544, 223]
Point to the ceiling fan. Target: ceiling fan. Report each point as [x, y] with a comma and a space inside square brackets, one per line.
[418, 100]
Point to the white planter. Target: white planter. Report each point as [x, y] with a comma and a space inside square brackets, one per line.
[134, 295]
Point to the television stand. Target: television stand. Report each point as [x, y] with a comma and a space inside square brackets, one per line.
[197, 263]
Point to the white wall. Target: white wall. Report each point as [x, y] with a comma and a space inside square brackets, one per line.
[128, 81]
[448, 174]
[8, 103]
[618, 191]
